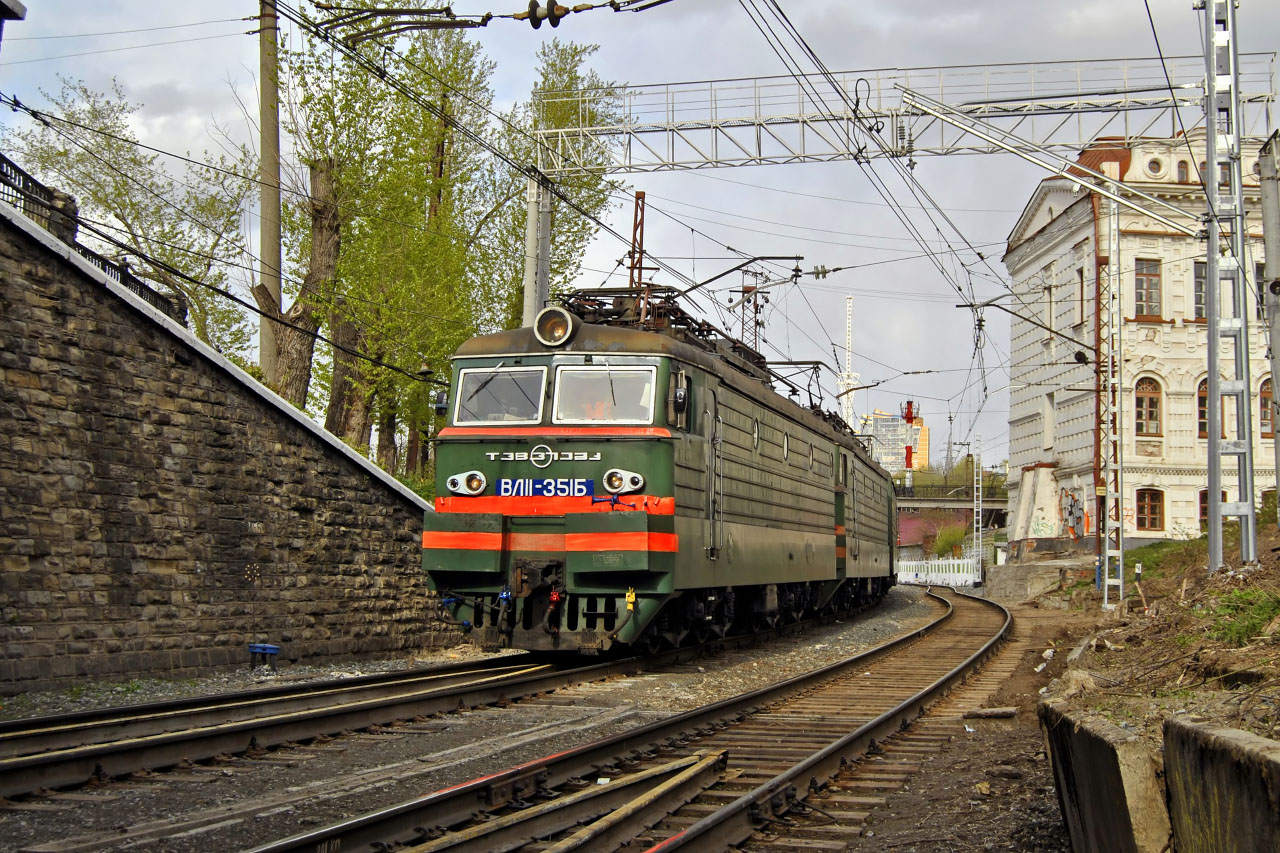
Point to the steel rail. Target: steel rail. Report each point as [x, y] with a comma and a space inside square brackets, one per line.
[404, 822]
[737, 821]
[81, 728]
[148, 743]
[76, 765]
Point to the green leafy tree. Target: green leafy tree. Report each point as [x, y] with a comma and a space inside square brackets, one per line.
[431, 224]
[567, 94]
[189, 221]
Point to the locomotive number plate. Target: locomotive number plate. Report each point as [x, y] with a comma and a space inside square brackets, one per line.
[546, 487]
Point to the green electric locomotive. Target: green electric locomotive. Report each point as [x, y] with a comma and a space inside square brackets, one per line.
[623, 474]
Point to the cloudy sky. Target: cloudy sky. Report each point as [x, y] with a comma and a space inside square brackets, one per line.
[188, 62]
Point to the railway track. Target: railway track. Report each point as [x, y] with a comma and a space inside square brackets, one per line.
[703, 780]
[71, 749]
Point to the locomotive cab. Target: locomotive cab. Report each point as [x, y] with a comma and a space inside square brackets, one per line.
[554, 523]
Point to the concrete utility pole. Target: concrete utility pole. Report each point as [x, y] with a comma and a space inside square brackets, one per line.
[537, 250]
[1271, 287]
[269, 180]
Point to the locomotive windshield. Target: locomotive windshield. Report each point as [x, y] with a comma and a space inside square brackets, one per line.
[500, 394]
[604, 393]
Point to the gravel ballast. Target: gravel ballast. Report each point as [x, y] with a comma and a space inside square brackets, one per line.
[242, 802]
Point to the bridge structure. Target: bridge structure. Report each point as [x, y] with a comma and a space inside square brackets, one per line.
[995, 500]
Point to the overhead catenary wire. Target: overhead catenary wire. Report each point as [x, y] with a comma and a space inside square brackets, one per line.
[886, 261]
[124, 32]
[818, 100]
[171, 270]
[381, 72]
[118, 49]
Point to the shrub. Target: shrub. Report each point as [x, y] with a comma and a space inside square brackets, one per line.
[948, 539]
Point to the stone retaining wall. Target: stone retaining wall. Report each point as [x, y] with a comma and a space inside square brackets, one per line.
[1204, 790]
[1106, 779]
[1224, 788]
[159, 509]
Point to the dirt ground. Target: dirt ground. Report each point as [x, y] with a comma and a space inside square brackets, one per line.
[1187, 643]
[991, 788]
[1191, 644]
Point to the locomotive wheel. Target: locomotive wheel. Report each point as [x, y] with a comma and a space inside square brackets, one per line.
[650, 643]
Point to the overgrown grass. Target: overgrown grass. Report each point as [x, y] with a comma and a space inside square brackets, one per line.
[1158, 557]
[1242, 614]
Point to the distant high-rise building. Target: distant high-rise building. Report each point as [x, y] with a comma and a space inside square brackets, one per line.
[891, 436]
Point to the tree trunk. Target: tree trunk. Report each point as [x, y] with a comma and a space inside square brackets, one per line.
[357, 427]
[345, 371]
[413, 453]
[387, 440]
[296, 341]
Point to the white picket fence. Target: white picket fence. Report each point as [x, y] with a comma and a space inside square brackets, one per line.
[963, 571]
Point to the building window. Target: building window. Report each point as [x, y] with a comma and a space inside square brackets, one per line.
[1147, 410]
[1183, 172]
[1259, 278]
[1202, 409]
[1201, 270]
[1080, 315]
[1204, 506]
[1146, 289]
[1150, 509]
[1265, 398]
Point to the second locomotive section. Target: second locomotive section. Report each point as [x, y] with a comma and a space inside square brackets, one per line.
[604, 485]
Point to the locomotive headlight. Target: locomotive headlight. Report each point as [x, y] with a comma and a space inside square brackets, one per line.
[554, 326]
[618, 481]
[469, 483]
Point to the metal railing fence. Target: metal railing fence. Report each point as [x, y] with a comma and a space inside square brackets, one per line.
[36, 201]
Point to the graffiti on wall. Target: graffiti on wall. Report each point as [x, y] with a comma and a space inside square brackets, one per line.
[1072, 515]
[1042, 528]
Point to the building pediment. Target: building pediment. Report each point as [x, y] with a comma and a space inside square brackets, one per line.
[1051, 197]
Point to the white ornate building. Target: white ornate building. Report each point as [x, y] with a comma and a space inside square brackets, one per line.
[1056, 257]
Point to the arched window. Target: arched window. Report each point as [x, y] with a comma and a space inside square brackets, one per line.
[1265, 399]
[1146, 419]
[1204, 505]
[1202, 409]
[1150, 514]
[1184, 173]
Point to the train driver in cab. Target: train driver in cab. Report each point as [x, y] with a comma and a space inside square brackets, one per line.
[589, 398]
